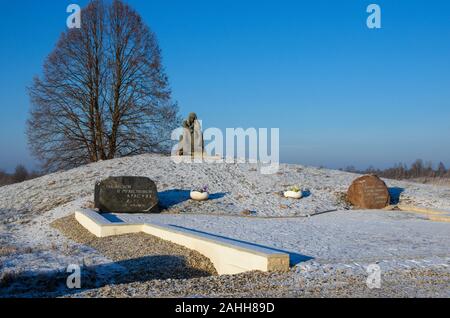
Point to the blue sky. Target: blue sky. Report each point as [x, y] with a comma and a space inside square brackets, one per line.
[340, 93]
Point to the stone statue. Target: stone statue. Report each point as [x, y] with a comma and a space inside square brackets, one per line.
[191, 142]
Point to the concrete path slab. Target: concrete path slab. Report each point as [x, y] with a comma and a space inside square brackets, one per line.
[228, 256]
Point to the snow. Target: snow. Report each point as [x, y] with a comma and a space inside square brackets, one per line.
[343, 238]
[339, 237]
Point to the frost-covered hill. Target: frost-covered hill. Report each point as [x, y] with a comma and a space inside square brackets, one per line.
[35, 255]
[236, 188]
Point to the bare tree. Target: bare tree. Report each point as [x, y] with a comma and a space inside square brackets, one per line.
[20, 174]
[5, 178]
[441, 171]
[103, 93]
[417, 169]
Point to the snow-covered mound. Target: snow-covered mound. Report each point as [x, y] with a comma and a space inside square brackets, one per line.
[236, 188]
[31, 247]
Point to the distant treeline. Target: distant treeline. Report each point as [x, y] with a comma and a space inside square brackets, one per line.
[401, 171]
[20, 174]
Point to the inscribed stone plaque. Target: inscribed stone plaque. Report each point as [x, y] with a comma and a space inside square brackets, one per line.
[369, 192]
[126, 195]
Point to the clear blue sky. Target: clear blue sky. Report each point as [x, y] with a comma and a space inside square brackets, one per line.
[340, 93]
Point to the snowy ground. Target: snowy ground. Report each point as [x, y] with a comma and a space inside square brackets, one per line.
[344, 239]
[340, 237]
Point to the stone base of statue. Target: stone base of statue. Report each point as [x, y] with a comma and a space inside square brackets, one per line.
[198, 158]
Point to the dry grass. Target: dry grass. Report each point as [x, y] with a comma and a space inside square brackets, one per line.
[442, 182]
[342, 199]
[7, 250]
[7, 277]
